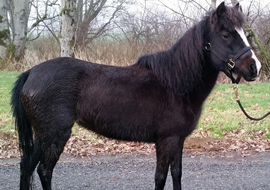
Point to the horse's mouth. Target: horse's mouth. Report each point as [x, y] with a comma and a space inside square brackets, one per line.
[251, 79]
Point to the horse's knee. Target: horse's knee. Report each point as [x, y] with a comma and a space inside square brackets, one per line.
[169, 153]
[162, 168]
[42, 172]
[176, 165]
[45, 175]
[160, 180]
[176, 172]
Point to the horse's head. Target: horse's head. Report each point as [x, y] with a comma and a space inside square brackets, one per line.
[228, 46]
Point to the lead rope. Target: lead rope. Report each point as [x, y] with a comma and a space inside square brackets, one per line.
[235, 88]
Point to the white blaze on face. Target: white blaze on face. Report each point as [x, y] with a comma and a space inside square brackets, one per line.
[244, 38]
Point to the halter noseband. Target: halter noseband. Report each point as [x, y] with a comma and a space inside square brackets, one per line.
[230, 63]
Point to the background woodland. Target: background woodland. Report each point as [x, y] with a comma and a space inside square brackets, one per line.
[114, 32]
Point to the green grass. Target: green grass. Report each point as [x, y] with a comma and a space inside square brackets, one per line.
[6, 82]
[221, 113]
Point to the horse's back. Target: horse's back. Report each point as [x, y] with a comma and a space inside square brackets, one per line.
[53, 71]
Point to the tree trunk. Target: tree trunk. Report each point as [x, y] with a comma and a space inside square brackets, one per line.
[234, 2]
[68, 18]
[20, 11]
[3, 28]
[213, 4]
[90, 13]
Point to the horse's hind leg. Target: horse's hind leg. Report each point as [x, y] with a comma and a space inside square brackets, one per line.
[28, 165]
[53, 145]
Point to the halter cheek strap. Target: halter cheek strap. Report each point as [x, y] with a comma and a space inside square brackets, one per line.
[230, 63]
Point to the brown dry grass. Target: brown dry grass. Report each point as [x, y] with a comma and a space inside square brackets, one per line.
[118, 52]
[238, 142]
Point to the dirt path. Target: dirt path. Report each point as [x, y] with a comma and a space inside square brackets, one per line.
[81, 146]
[133, 171]
[229, 163]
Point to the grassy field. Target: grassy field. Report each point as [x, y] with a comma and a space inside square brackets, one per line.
[221, 113]
[6, 81]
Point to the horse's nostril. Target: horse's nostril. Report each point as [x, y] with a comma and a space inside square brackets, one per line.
[253, 68]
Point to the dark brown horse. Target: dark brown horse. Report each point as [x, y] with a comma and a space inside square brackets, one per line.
[158, 99]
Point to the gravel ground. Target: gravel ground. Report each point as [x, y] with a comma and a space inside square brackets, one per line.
[131, 171]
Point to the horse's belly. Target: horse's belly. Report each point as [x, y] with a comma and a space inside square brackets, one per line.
[121, 130]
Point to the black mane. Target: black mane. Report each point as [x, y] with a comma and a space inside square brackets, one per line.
[180, 67]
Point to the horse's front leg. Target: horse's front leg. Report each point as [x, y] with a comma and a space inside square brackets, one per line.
[162, 166]
[169, 152]
[176, 165]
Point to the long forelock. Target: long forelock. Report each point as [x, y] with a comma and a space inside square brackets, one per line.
[230, 20]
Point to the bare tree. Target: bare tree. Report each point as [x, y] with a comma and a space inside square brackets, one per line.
[79, 29]
[19, 13]
[15, 18]
[89, 27]
[234, 2]
[4, 32]
[68, 17]
[189, 12]
[45, 19]
[213, 4]
[87, 13]
[258, 32]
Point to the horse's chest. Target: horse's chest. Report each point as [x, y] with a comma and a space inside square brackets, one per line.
[181, 120]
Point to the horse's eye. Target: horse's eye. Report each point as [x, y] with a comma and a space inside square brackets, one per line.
[226, 36]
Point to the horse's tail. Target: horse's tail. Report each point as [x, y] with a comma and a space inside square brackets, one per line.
[22, 123]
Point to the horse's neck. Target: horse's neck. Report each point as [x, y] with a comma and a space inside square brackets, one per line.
[209, 81]
[199, 78]
[209, 77]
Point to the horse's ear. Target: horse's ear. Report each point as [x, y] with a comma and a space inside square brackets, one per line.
[221, 9]
[238, 7]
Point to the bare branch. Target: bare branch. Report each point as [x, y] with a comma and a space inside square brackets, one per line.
[182, 14]
[53, 34]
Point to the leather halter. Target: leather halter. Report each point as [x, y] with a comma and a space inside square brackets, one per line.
[228, 71]
[230, 63]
